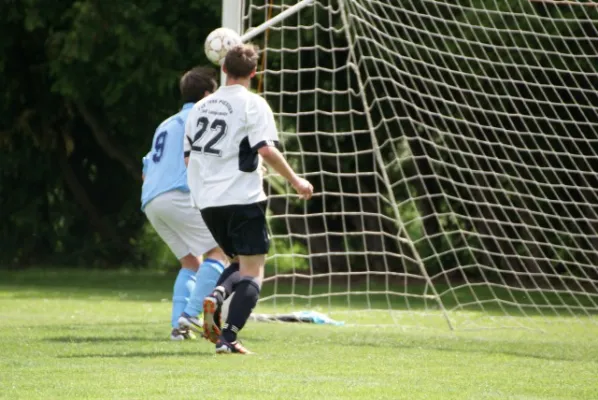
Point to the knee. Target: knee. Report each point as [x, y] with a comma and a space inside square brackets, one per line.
[217, 254]
[253, 266]
[190, 262]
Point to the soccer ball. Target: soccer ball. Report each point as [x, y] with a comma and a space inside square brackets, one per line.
[219, 42]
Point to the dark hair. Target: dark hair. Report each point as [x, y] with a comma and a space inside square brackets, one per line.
[196, 82]
[241, 60]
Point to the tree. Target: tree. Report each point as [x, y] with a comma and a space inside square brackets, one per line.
[88, 82]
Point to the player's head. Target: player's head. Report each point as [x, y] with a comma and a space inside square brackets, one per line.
[197, 83]
[241, 61]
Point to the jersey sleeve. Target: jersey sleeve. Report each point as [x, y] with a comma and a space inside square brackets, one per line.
[261, 126]
[145, 162]
[187, 137]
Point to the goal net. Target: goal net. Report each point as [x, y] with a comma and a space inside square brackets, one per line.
[453, 148]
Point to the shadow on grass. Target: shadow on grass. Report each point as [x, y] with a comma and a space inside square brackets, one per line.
[117, 339]
[559, 352]
[141, 354]
[100, 339]
[95, 326]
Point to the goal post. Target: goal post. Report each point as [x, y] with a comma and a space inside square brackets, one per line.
[232, 18]
[453, 151]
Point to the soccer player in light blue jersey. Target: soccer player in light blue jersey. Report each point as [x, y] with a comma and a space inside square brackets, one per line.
[166, 201]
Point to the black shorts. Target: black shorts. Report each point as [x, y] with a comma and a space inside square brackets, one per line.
[239, 229]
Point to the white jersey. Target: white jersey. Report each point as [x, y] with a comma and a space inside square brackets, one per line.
[222, 136]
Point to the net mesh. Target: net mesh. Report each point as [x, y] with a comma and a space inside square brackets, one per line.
[453, 149]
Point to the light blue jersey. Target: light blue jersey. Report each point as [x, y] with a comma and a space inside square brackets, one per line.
[164, 166]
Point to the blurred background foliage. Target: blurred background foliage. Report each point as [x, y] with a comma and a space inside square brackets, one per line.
[85, 83]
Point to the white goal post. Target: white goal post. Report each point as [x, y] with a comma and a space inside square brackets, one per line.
[454, 150]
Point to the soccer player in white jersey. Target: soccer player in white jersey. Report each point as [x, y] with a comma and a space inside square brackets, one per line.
[228, 133]
[166, 202]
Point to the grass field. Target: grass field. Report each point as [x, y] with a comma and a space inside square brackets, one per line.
[103, 335]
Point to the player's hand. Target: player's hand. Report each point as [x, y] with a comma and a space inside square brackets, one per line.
[303, 188]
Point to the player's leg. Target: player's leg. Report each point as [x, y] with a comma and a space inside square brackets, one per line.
[212, 304]
[159, 212]
[247, 293]
[184, 285]
[227, 282]
[193, 230]
[207, 277]
[218, 220]
[249, 236]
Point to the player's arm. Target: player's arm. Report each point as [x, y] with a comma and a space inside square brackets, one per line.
[263, 137]
[276, 160]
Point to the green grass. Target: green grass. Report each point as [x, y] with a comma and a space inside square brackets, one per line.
[103, 335]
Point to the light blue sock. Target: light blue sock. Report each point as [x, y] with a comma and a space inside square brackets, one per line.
[207, 277]
[183, 287]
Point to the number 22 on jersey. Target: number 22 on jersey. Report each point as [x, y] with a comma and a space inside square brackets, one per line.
[217, 129]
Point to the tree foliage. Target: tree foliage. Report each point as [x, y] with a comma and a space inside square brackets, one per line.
[86, 82]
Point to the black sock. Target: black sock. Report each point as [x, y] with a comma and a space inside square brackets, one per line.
[228, 282]
[246, 296]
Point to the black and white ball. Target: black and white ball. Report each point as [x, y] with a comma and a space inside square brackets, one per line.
[219, 42]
